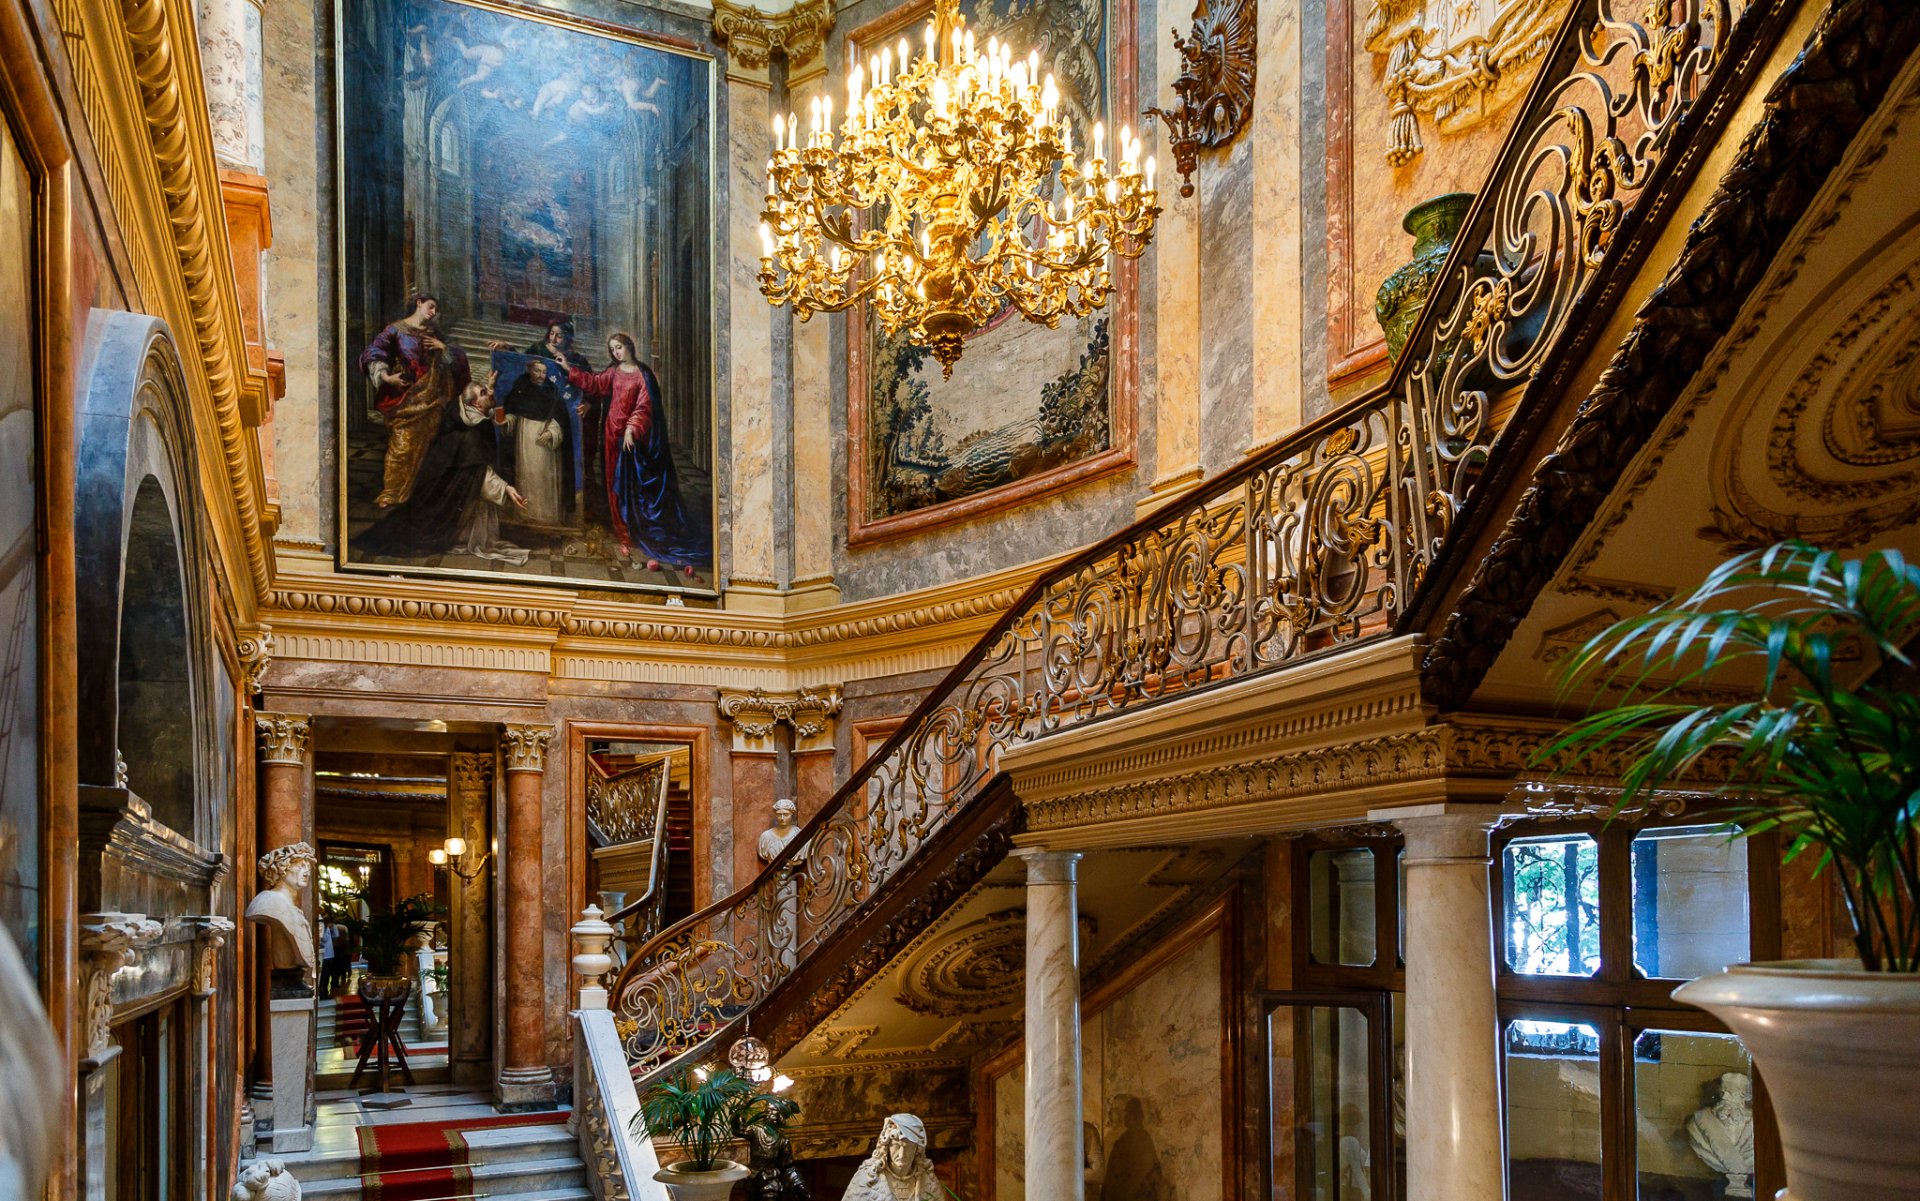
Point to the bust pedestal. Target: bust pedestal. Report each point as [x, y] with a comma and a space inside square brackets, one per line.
[291, 1019]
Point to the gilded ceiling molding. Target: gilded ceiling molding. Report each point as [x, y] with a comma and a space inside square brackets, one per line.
[756, 712]
[1215, 85]
[1455, 64]
[1810, 116]
[526, 746]
[753, 36]
[179, 144]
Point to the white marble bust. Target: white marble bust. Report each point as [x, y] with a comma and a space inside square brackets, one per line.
[898, 1169]
[286, 870]
[1721, 1132]
[774, 839]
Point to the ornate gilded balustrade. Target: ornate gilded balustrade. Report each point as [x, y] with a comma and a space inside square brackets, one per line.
[1308, 548]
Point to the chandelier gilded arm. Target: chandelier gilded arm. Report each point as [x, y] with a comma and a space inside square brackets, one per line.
[950, 191]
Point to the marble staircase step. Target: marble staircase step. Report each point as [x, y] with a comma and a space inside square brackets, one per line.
[493, 1178]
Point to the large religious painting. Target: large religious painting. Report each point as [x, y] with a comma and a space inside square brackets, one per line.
[1028, 409]
[1420, 96]
[527, 350]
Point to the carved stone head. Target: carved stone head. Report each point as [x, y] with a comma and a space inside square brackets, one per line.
[291, 864]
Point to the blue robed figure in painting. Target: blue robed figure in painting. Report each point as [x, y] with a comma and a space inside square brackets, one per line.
[643, 487]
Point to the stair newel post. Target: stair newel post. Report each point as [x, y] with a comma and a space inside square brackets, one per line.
[591, 937]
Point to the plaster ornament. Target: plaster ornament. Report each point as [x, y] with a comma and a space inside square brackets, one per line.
[898, 1169]
[1721, 1132]
[265, 1180]
[286, 870]
[775, 838]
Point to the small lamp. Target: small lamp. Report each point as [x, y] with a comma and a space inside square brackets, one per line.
[453, 853]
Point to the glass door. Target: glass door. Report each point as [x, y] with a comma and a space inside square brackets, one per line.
[1329, 1060]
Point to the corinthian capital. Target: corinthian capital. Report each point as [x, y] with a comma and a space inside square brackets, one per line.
[283, 738]
[526, 746]
[472, 771]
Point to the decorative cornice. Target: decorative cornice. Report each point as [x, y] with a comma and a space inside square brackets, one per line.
[753, 36]
[526, 746]
[755, 712]
[256, 654]
[1811, 115]
[283, 738]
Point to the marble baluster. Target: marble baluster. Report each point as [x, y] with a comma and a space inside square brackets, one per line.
[1454, 1145]
[526, 1081]
[1055, 1135]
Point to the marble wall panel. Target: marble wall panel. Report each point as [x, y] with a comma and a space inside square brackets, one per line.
[296, 262]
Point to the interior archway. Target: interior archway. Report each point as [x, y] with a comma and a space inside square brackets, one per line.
[154, 681]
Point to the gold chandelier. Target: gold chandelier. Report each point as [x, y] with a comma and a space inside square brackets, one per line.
[951, 193]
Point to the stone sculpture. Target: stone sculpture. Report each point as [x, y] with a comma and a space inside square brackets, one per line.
[266, 1180]
[286, 870]
[775, 838]
[1721, 1131]
[898, 1169]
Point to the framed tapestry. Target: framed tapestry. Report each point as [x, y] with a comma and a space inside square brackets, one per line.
[526, 298]
[1029, 410]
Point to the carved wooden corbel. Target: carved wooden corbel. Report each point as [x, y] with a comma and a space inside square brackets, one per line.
[1215, 86]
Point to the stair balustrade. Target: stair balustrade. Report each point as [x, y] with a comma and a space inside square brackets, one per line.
[1306, 549]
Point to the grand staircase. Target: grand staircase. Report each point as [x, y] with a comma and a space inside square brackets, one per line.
[1333, 538]
[447, 1145]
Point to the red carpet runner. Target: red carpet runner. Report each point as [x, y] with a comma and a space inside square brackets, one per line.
[426, 1161]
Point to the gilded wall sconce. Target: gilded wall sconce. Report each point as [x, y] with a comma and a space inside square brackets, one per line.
[1215, 86]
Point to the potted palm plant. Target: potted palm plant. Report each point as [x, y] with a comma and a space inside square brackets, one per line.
[382, 937]
[702, 1111]
[1815, 715]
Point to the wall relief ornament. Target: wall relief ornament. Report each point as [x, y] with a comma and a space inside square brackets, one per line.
[256, 654]
[978, 967]
[1455, 62]
[1215, 85]
[108, 942]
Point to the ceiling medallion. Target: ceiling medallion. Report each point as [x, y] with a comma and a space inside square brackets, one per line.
[1215, 86]
[950, 193]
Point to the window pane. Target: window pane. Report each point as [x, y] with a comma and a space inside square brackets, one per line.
[1322, 1136]
[1693, 1096]
[1553, 1112]
[1343, 894]
[1553, 905]
[1689, 902]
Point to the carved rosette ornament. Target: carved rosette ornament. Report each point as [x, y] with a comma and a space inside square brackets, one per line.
[753, 36]
[108, 942]
[283, 738]
[526, 746]
[256, 653]
[1215, 85]
[1455, 62]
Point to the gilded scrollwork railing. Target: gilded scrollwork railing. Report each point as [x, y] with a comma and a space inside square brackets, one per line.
[1310, 547]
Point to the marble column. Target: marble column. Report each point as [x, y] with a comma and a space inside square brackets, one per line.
[285, 774]
[1454, 1146]
[1055, 1152]
[470, 978]
[230, 66]
[1176, 312]
[813, 399]
[525, 1081]
[1277, 299]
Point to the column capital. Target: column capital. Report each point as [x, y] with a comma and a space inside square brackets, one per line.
[754, 712]
[526, 746]
[753, 36]
[1049, 867]
[1446, 832]
[470, 771]
[283, 738]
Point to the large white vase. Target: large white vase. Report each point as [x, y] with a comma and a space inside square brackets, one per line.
[716, 1185]
[1840, 1050]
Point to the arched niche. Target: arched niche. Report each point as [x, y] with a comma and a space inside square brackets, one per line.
[145, 655]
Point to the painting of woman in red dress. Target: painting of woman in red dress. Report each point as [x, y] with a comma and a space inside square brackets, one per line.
[643, 489]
